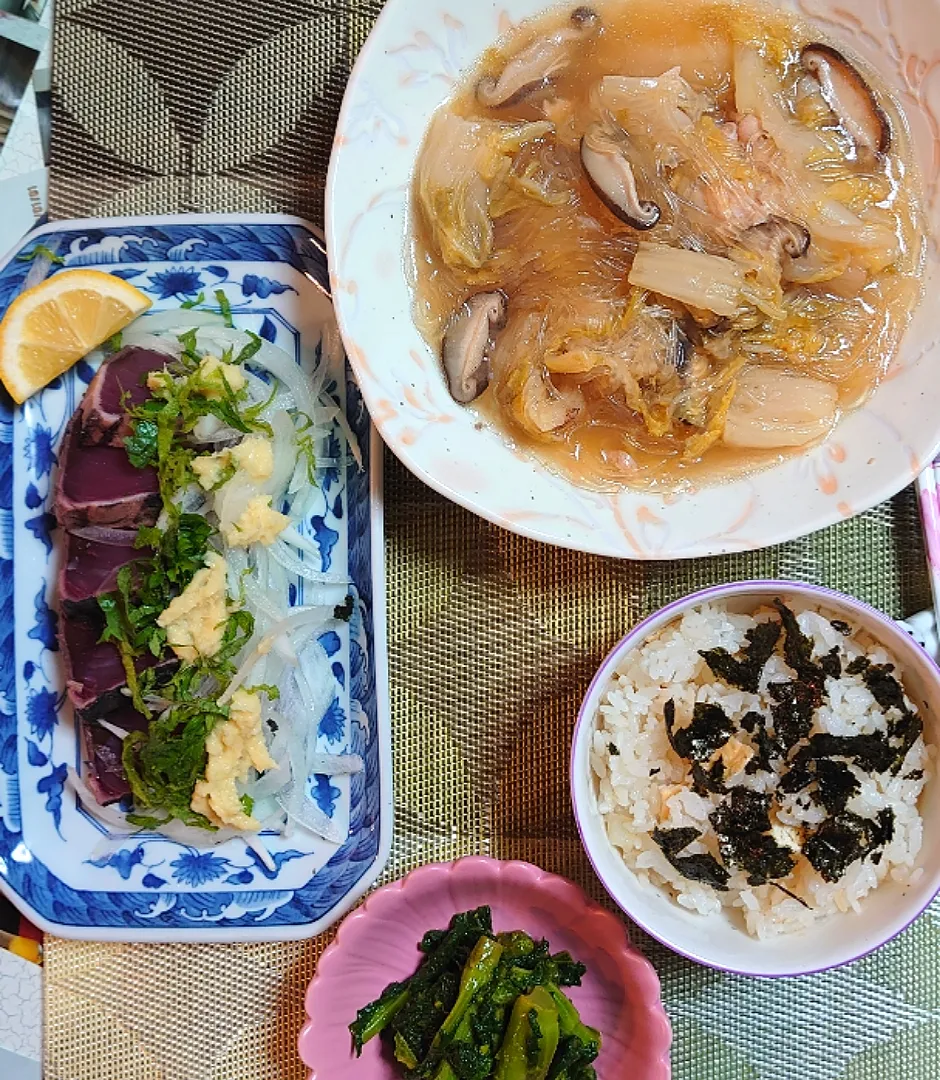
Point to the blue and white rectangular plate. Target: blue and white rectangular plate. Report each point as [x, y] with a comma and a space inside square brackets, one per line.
[61, 867]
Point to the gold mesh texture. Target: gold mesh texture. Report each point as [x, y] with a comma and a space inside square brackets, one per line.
[163, 107]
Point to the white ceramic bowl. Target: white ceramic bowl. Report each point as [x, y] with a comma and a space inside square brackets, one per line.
[409, 65]
[716, 940]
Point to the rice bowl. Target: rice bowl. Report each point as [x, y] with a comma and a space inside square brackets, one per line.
[760, 860]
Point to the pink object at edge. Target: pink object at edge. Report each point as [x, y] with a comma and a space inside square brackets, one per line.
[377, 944]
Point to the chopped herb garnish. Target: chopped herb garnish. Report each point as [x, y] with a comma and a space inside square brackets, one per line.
[188, 305]
[745, 672]
[248, 804]
[225, 308]
[168, 562]
[40, 251]
[249, 350]
[141, 444]
[164, 763]
[264, 688]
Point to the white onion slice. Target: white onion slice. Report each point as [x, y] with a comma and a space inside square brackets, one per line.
[299, 617]
[335, 764]
[113, 728]
[177, 322]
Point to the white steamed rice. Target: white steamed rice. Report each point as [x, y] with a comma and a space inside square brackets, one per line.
[645, 785]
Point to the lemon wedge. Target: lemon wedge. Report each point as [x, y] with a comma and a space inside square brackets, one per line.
[47, 328]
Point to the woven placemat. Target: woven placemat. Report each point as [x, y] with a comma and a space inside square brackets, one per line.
[161, 107]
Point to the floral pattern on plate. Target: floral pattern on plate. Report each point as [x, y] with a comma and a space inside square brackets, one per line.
[62, 866]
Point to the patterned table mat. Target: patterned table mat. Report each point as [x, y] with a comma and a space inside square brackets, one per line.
[160, 107]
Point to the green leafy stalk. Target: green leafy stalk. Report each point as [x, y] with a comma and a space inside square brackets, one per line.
[531, 1038]
[478, 971]
[431, 990]
[579, 1044]
[377, 1015]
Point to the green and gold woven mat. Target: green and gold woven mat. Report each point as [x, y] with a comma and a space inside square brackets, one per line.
[162, 107]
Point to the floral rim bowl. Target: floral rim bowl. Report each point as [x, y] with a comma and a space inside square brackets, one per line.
[410, 64]
[378, 944]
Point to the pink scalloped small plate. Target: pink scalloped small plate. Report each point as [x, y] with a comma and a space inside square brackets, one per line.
[377, 944]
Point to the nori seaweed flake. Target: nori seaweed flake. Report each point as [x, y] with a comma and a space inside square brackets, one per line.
[742, 823]
[704, 868]
[858, 666]
[884, 687]
[831, 663]
[767, 750]
[796, 778]
[835, 785]
[705, 781]
[612, 749]
[672, 841]
[792, 713]
[841, 627]
[745, 672]
[902, 735]
[871, 753]
[878, 752]
[744, 811]
[914, 774]
[710, 729]
[752, 720]
[798, 648]
[845, 838]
